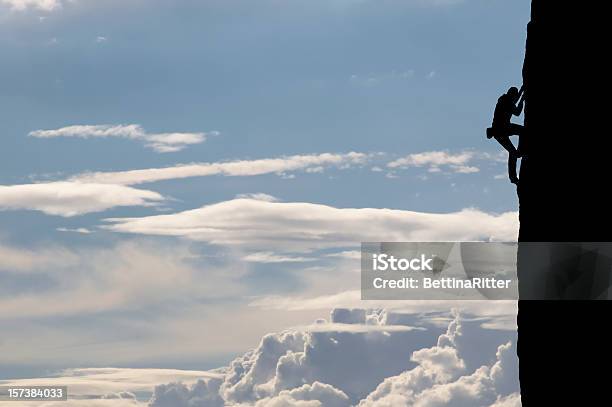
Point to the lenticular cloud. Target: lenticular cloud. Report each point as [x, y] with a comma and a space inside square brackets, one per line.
[359, 359]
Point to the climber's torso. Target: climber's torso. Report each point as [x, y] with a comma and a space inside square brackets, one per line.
[503, 111]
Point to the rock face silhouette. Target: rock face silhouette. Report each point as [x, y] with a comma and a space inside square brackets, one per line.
[567, 122]
[563, 349]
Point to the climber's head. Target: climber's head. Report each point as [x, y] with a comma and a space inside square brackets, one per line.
[513, 92]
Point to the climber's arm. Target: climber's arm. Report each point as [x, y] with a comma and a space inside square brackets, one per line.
[518, 109]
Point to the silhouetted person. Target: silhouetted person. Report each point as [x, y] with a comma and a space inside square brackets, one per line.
[508, 104]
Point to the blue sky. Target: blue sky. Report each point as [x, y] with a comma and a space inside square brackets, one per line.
[272, 79]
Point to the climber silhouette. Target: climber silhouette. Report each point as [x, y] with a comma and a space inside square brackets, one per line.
[508, 104]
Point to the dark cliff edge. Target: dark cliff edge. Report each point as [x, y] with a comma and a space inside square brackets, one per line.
[563, 349]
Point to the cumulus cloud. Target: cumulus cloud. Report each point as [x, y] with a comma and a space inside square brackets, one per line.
[513, 400]
[479, 389]
[365, 358]
[339, 363]
[442, 377]
[309, 395]
[202, 393]
[159, 142]
[73, 198]
[436, 161]
[241, 168]
[303, 226]
[351, 361]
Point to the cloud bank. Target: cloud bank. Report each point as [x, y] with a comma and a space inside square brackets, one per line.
[358, 359]
[363, 358]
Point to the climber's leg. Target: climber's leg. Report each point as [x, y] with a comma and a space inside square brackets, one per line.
[512, 158]
[504, 140]
[515, 129]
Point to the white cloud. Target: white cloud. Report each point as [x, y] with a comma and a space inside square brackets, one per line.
[466, 169]
[202, 393]
[269, 257]
[44, 5]
[482, 388]
[339, 365]
[110, 386]
[309, 395]
[243, 168]
[159, 142]
[370, 358]
[73, 198]
[95, 402]
[83, 231]
[443, 378]
[513, 400]
[344, 359]
[495, 314]
[347, 254]
[258, 196]
[127, 275]
[373, 79]
[16, 259]
[300, 226]
[435, 161]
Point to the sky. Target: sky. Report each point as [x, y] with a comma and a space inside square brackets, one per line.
[201, 173]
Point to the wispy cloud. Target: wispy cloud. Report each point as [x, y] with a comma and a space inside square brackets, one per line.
[83, 231]
[159, 142]
[374, 79]
[437, 161]
[127, 275]
[302, 226]
[270, 257]
[108, 386]
[280, 166]
[347, 254]
[31, 260]
[258, 196]
[45, 5]
[73, 198]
